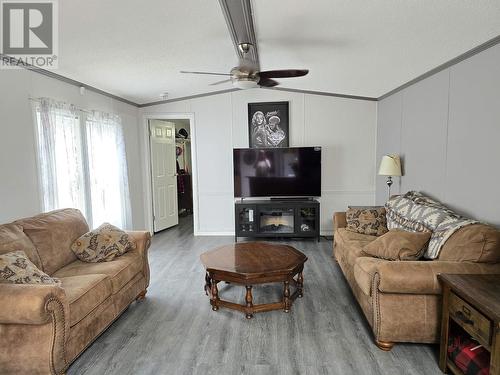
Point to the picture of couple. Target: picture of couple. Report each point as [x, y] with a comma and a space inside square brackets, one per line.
[268, 124]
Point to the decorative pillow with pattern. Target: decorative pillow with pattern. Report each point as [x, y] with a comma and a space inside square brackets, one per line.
[369, 221]
[16, 268]
[102, 244]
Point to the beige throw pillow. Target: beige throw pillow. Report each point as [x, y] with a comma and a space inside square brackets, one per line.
[369, 221]
[398, 244]
[102, 244]
[16, 268]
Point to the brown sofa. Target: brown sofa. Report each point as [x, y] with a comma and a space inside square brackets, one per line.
[402, 299]
[43, 328]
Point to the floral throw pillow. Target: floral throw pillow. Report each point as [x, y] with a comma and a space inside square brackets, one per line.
[102, 244]
[371, 221]
[16, 268]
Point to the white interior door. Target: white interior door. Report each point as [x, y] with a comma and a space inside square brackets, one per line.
[164, 174]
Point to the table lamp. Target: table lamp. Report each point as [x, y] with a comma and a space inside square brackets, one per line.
[390, 166]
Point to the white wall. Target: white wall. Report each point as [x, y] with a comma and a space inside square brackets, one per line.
[345, 128]
[19, 193]
[447, 129]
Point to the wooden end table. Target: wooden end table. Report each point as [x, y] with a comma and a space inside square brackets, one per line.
[251, 263]
[473, 303]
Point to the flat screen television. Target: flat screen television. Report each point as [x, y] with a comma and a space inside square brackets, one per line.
[277, 172]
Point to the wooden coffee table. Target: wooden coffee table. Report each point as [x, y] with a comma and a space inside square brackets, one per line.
[251, 263]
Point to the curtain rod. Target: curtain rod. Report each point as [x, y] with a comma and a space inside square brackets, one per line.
[84, 110]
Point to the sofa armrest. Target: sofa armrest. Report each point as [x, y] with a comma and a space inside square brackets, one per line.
[143, 241]
[34, 322]
[420, 277]
[339, 220]
[31, 303]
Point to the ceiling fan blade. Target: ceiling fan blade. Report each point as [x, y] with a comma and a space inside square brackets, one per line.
[267, 82]
[283, 73]
[207, 73]
[220, 82]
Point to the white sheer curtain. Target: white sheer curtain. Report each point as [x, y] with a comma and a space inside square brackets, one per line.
[82, 163]
[107, 161]
[61, 156]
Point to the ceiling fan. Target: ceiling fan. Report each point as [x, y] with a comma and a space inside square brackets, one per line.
[239, 19]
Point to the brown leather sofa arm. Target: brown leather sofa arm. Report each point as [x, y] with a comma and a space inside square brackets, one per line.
[30, 303]
[143, 241]
[420, 277]
[33, 310]
[339, 220]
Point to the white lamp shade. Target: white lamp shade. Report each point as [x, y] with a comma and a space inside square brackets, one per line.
[390, 166]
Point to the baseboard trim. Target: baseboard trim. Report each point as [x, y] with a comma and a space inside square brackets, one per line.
[204, 233]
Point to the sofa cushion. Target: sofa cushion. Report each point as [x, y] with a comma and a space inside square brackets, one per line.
[102, 244]
[120, 270]
[13, 238]
[421, 276]
[346, 236]
[350, 245]
[369, 221]
[53, 233]
[85, 293]
[16, 268]
[398, 244]
[473, 243]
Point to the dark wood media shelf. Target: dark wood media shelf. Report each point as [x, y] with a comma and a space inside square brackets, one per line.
[471, 303]
[277, 218]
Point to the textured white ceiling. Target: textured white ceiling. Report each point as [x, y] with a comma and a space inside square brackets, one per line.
[135, 49]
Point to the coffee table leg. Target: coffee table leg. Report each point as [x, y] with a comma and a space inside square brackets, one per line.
[286, 296]
[215, 296]
[249, 301]
[208, 284]
[300, 284]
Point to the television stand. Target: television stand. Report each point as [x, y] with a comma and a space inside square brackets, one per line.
[277, 218]
[292, 199]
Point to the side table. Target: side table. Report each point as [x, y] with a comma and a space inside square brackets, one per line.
[473, 303]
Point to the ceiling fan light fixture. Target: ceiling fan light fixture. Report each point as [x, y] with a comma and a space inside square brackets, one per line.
[245, 83]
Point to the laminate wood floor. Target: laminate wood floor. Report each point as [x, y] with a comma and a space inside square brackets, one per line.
[174, 330]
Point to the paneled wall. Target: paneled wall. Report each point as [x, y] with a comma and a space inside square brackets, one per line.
[345, 128]
[447, 129]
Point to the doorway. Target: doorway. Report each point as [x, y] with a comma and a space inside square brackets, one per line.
[171, 172]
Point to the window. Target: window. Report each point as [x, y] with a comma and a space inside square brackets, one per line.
[82, 163]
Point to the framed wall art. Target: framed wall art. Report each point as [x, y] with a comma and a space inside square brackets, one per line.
[268, 124]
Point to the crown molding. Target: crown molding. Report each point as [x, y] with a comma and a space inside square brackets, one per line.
[70, 81]
[323, 93]
[186, 98]
[262, 88]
